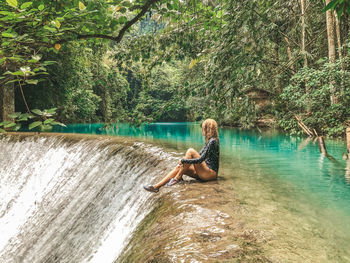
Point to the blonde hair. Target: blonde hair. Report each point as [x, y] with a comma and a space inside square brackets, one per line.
[210, 130]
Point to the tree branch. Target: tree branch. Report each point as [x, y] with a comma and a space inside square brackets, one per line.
[128, 24]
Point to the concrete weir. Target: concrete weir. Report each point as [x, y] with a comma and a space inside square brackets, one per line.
[79, 198]
[72, 198]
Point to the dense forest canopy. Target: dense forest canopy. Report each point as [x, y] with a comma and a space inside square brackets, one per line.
[245, 63]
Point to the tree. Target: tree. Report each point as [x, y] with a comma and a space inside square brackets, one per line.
[331, 47]
[27, 29]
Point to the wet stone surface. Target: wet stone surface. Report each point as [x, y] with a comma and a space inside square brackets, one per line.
[195, 223]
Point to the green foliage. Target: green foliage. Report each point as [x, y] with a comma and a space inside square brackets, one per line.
[84, 84]
[243, 113]
[162, 100]
[308, 95]
[340, 6]
[185, 61]
[31, 32]
[70, 87]
[36, 119]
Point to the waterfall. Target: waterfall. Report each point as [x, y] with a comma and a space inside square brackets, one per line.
[73, 198]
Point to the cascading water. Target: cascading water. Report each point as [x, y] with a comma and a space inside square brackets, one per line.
[67, 199]
[75, 198]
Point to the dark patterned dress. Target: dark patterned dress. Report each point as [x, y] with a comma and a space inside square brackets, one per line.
[209, 153]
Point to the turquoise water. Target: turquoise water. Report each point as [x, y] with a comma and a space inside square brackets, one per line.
[293, 160]
[298, 199]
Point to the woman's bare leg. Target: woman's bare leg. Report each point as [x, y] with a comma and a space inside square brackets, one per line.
[201, 169]
[168, 177]
[189, 170]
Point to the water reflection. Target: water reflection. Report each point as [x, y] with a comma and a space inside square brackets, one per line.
[347, 172]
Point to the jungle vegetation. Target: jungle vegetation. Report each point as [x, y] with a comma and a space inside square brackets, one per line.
[245, 63]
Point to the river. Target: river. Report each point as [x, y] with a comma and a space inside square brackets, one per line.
[277, 199]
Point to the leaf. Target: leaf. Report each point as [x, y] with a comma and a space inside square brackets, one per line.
[32, 81]
[37, 112]
[41, 7]
[2, 131]
[10, 125]
[58, 123]
[58, 23]
[26, 5]
[14, 115]
[340, 10]
[51, 29]
[5, 13]
[45, 114]
[12, 81]
[46, 127]
[122, 19]
[34, 124]
[12, 3]
[23, 118]
[4, 123]
[331, 5]
[18, 73]
[6, 34]
[193, 63]
[82, 7]
[48, 121]
[17, 127]
[52, 111]
[49, 62]
[37, 57]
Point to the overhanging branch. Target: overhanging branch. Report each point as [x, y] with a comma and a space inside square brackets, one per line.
[128, 24]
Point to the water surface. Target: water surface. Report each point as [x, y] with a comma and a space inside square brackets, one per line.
[300, 198]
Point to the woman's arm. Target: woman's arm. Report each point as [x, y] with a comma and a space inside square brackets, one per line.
[203, 155]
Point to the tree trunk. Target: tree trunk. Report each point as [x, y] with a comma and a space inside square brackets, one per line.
[277, 58]
[330, 34]
[303, 32]
[289, 53]
[345, 31]
[322, 145]
[331, 46]
[338, 33]
[7, 101]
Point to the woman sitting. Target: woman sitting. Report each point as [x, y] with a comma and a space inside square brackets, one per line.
[203, 166]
